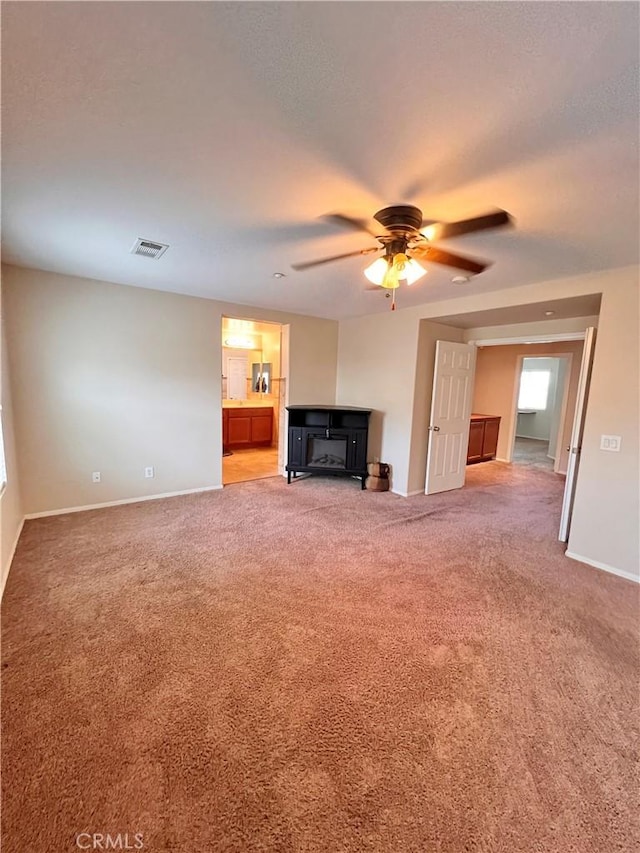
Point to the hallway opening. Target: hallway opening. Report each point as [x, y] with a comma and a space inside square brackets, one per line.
[252, 399]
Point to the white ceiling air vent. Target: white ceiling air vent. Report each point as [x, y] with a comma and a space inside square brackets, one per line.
[148, 248]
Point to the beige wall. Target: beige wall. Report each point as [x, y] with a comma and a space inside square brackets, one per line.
[113, 379]
[11, 514]
[497, 377]
[606, 510]
[377, 366]
[271, 345]
[536, 329]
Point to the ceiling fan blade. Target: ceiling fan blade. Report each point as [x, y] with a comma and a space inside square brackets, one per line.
[439, 256]
[351, 222]
[308, 264]
[446, 230]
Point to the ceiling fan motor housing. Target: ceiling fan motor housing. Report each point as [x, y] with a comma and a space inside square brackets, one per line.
[404, 218]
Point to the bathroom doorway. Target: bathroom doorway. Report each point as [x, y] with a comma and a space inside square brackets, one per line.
[252, 399]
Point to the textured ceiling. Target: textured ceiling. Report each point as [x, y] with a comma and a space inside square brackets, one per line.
[227, 130]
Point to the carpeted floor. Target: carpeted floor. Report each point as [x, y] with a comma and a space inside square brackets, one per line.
[532, 452]
[313, 668]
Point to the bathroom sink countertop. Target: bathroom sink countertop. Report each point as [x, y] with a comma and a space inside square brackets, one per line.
[247, 404]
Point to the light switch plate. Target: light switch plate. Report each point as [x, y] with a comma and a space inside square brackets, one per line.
[610, 442]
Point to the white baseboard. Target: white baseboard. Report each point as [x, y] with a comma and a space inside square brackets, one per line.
[407, 494]
[603, 567]
[11, 556]
[66, 510]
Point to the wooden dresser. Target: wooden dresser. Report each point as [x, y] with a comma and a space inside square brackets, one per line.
[483, 438]
[247, 427]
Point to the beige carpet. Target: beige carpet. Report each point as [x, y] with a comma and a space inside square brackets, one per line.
[315, 668]
[533, 452]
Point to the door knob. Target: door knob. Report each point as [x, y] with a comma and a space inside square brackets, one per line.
[435, 428]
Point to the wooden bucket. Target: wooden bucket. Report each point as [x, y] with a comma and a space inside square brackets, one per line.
[377, 484]
[378, 469]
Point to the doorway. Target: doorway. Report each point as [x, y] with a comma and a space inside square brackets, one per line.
[512, 382]
[541, 407]
[562, 397]
[252, 399]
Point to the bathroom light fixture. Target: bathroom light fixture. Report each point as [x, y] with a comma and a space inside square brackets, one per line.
[240, 342]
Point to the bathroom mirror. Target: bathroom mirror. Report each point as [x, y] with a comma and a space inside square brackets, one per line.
[261, 377]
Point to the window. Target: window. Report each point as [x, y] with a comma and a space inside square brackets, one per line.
[534, 390]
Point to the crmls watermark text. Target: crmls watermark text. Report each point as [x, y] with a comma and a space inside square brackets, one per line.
[107, 841]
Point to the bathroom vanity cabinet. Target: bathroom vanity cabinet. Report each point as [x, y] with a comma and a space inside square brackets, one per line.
[246, 427]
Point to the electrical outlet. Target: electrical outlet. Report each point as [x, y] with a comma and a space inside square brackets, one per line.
[610, 442]
[95, 476]
[148, 472]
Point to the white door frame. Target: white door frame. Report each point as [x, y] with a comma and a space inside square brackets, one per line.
[582, 402]
[285, 385]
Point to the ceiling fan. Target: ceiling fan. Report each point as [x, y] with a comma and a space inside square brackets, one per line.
[406, 240]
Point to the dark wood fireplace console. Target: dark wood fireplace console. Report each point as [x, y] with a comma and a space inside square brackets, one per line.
[328, 440]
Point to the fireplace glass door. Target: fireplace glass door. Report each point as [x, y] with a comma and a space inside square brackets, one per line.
[323, 452]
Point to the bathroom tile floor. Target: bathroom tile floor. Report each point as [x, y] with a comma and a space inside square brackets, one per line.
[251, 464]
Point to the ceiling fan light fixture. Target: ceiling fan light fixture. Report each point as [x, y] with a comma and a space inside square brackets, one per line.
[391, 278]
[384, 274]
[413, 271]
[376, 271]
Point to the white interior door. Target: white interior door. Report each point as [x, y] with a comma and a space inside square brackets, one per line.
[576, 434]
[451, 402]
[237, 378]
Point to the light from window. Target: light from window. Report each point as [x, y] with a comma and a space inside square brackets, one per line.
[534, 389]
